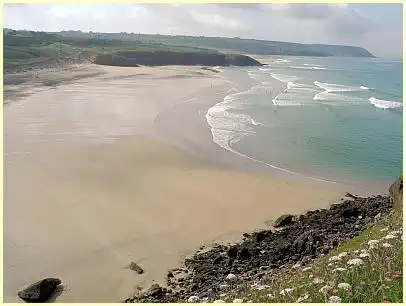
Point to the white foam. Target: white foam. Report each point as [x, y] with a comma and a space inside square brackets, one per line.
[364, 87]
[256, 77]
[255, 123]
[338, 87]
[308, 68]
[384, 104]
[282, 60]
[264, 69]
[284, 78]
[327, 96]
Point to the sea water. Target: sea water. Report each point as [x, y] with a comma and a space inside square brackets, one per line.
[337, 119]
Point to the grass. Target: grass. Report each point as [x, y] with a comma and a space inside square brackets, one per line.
[378, 279]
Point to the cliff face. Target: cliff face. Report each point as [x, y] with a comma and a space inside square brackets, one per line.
[161, 58]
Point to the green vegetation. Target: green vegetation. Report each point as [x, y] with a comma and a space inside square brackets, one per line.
[29, 48]
[247, 46]
[368, 268]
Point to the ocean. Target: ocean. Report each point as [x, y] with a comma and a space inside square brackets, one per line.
[334, 119]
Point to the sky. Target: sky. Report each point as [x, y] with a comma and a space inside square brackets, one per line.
[376, 27]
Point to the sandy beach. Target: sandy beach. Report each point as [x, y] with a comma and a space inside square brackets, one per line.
[111, 165]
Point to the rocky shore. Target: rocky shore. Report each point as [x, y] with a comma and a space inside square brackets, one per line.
[225, 269]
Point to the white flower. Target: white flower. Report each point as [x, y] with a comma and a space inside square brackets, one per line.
[334, 299]
[231, 276]
[271, 296]
[334, 258]
[218, 301]
[355, 262]
[193, 299]
[394, 233]
[311, 276]
[356, 251]
[389, 236]
[302, 298]
[372, 242]
[306, 269]
[330, 264]
[238, 301]
[287, 291]
[384, 229]
[340, 269]
[325, 289]
[359, 217]
[387, 245]
[263, 287]
[363, 255]
[343, 254]
[317, 281]
[344, 286]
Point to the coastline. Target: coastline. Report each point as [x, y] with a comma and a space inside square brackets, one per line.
[105, 193]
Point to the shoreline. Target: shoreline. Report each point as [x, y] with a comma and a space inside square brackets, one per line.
[105, 193]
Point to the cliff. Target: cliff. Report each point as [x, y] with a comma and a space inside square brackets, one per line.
[160, 58]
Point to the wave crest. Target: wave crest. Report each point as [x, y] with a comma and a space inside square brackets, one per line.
[385, 104]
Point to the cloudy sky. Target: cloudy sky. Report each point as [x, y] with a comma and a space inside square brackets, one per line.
[376, 27]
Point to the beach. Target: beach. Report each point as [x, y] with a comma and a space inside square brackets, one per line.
[112, 165]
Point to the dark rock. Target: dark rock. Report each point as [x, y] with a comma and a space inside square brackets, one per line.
[136, 268]
[170, 274]
[232, 252]
[155, 291]
[218, 259]
[40, 291]
[194, 287]
[283, 220]
[350, 212]
[349, 195]
[396, 193]
[244, 253]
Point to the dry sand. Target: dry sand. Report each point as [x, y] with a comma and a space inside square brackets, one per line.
[86, 191]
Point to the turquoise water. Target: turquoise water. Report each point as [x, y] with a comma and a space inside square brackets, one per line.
[337, 119]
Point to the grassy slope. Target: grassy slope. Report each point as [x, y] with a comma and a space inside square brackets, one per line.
[26, 47]
[249, 46]
[379, 279]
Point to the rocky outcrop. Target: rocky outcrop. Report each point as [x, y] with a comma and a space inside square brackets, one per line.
[283, 220]
[309, 236]
[161, 58]
[396, 193]
[40, 291]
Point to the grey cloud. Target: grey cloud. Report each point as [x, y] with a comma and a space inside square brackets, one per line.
[349, 25]
[242, 6]
[309, 11]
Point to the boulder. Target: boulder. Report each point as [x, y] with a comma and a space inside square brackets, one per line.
[40, 291]
[283, 220]
[155, 291]
[136, 268]
[396, 193]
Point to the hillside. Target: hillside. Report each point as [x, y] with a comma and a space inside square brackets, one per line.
[250, 46]
[27, 50]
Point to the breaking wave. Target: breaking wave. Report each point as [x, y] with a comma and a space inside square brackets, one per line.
[384, 104]
[338, 87]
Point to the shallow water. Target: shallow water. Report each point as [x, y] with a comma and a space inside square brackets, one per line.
[329, 118]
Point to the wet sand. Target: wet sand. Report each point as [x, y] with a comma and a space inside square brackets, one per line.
[108, 169]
